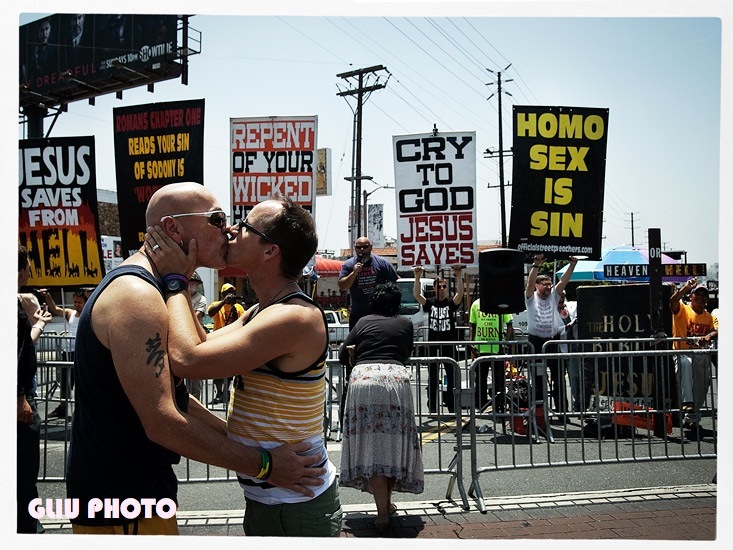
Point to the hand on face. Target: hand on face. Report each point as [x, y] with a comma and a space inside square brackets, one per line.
[167, 255]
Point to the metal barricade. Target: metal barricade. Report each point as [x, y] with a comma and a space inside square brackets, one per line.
[625, 391]
[52, 352]
[631, 396]
[441, 432]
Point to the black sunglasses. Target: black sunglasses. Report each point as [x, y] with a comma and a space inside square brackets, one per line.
[362, 246]
[248, 227]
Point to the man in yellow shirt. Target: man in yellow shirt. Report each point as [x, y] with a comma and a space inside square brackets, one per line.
[224, 312]
[693, 371]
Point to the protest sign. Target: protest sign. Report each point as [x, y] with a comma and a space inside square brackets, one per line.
[559, 171]
[435, 185]
[58, 222]
[270, 156]
[155, 144]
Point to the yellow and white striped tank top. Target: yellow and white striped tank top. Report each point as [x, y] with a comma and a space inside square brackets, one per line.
[268, 408]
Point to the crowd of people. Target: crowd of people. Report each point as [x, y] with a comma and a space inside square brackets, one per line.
[136, 378]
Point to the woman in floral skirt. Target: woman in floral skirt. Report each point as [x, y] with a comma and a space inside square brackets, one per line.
[381, 450]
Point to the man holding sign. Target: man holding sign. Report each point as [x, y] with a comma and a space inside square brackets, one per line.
[544, 323]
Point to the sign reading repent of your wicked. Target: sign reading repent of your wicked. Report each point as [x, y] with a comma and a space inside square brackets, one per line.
[271, 156]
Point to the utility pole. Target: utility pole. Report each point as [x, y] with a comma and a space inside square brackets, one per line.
[502, 200]
[361, 76]
[632, 229]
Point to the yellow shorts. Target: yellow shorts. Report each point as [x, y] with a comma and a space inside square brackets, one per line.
[144, 526]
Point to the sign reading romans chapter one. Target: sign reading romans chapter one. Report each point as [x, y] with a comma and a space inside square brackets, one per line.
[558, 180]
[435, 185]
[155, 144]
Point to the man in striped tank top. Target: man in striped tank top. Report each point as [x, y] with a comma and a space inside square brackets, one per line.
[277, 353]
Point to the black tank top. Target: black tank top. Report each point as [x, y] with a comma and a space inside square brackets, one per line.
[110, 456]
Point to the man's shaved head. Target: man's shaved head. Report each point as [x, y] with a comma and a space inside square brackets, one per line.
[177, 198]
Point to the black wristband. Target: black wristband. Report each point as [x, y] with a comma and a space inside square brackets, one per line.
[174, 276]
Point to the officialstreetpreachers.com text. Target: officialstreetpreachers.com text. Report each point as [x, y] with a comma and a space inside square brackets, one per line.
[555, 248]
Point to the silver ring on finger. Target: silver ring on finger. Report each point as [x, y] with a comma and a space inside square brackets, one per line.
[156, 247]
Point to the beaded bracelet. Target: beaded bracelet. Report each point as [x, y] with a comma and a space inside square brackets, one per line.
[266, 467]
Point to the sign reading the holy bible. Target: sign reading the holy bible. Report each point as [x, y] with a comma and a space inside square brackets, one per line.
[558, 180]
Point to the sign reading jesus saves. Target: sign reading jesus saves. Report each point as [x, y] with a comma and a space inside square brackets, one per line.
[435, 185]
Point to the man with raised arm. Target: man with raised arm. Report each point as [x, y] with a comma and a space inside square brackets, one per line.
[544, 323]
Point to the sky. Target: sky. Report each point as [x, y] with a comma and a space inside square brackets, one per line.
[659, 77]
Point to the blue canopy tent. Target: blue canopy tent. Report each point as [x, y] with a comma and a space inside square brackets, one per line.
[592, 270]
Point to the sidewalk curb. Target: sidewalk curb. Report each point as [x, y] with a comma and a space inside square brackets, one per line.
[218, 518]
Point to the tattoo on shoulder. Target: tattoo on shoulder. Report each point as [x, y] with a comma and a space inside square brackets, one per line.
[155, 353]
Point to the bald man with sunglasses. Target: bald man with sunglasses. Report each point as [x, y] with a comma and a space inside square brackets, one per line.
[133, 419]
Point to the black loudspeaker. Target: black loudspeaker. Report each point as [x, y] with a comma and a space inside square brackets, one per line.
[501, 280]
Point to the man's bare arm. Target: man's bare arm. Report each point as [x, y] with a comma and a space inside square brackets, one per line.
[458, 274]
[532, 276]
[565, 279]
[138, 345]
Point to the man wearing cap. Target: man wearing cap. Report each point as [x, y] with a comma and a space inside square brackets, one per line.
[694, 322]
[224, 312]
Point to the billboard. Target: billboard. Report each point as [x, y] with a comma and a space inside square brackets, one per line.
[272, 155]
[58, 222]
[558, 180]
[435, 184]
[155, 144]
[65, 53]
